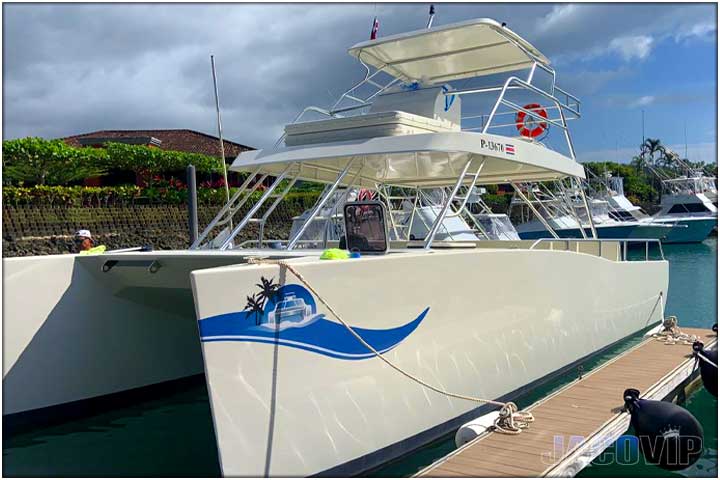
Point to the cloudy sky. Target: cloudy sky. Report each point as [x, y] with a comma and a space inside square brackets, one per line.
[74, 68]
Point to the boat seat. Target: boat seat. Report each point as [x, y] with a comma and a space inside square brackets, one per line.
[378, 124]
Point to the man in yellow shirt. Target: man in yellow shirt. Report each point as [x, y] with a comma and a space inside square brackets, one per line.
[84, 243]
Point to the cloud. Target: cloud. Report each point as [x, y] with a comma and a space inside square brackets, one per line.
[702, 30]
[586, 31]
[71, 68]
[587, 82]
[633, 47]
[560, 17]
[642, 101]
[687, 94]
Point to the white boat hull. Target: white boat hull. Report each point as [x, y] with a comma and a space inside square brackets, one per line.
[72, 332]
[486, 323]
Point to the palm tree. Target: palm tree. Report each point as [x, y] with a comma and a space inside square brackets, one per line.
[652, 146]
[255, 305]
[669, 159]
[638, 163]
[267, 289]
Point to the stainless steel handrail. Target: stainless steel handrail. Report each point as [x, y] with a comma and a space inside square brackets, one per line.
[513, 79]
[249, 215]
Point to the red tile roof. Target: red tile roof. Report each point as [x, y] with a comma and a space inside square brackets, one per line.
[182, 140]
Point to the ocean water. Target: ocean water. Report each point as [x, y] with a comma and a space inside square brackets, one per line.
[172, 435]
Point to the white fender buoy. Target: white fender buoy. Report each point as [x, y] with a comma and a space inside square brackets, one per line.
[474, 428]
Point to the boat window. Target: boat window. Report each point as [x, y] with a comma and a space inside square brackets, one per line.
[621, 215]
[688, 207]
[365, 227]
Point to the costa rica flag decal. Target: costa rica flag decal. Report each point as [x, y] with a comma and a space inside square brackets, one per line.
[509, 149]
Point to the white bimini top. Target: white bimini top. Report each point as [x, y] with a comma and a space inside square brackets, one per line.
[450, 52]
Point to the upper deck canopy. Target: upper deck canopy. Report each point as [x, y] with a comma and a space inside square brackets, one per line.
[450, 52]
[423, 160]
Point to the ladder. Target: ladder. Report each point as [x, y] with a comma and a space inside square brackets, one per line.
[225, 216]
[467, 180]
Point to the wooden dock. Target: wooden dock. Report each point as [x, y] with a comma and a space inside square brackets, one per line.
[590, 407]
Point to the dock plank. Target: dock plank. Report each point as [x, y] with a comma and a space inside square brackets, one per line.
[583, 408]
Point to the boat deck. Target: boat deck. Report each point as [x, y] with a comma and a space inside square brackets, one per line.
[590, 407]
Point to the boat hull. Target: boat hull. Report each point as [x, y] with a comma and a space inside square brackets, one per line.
[73, 332]
[490, 323]
[605, 232]
[689, 230]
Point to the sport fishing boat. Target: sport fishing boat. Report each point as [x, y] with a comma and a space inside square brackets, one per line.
[684, 203]
[565, 215]
[296, 349]
[622, 209]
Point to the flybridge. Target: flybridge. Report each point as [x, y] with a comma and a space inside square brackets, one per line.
[439, 57]
[403, 126]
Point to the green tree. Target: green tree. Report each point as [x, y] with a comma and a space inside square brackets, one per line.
[150, 160]
[50, 162]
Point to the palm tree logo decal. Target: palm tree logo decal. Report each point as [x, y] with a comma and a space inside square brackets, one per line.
[256, 303]
[255, 306]
[267, 289]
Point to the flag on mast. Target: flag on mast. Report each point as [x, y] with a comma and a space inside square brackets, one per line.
[375, 28]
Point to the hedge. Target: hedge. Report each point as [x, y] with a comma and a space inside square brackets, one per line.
[53, 162]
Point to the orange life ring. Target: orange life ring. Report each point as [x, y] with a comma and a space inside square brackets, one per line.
[527, 125]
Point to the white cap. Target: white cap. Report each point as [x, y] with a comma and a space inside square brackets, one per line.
[83, 233]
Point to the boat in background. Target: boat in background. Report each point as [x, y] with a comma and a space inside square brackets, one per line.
[684, 202]
[688, 200]
[622, 209]
[411, 214]
[564, 213]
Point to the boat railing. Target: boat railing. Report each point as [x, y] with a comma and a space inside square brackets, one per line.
[689, 185]
[226, 219]
[565, 105]
[352, 100]
[571, 244]
[565, 109]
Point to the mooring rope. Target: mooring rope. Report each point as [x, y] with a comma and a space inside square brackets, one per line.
[705, 359]
[671, 333]
[511, 420]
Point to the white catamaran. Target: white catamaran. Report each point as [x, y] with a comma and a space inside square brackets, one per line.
[293, 390]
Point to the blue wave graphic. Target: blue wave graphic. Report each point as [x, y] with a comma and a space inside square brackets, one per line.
[284, 322]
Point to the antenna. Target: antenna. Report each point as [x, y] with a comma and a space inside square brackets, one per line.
[686, 139]
[643, 127]
[432, 16]
[219, 125]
